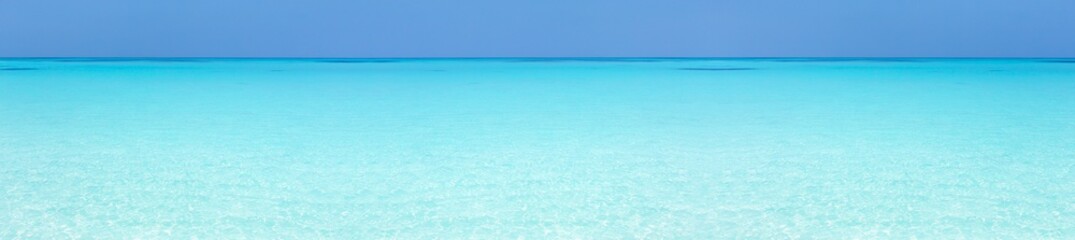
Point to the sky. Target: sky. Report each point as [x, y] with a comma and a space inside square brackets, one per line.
[537, 28]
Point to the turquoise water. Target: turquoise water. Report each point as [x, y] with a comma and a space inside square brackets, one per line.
[537, 148]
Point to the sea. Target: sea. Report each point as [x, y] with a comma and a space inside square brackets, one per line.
[537, 148]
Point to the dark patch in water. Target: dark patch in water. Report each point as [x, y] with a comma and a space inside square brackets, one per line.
[17, 69]
[1059, 61]
[716, 69]
[846, 60]
[357, 61]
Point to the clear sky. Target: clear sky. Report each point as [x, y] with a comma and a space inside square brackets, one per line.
[537, 28]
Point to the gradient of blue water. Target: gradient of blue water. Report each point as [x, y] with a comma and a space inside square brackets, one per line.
[537, 148]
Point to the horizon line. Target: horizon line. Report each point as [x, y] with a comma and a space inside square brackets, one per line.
[648, 57]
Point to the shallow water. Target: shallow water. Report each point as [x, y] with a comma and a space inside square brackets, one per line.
[537, 148]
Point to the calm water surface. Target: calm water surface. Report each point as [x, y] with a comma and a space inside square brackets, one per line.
[537, 148]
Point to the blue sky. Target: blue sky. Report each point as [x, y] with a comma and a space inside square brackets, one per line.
[538, 28]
